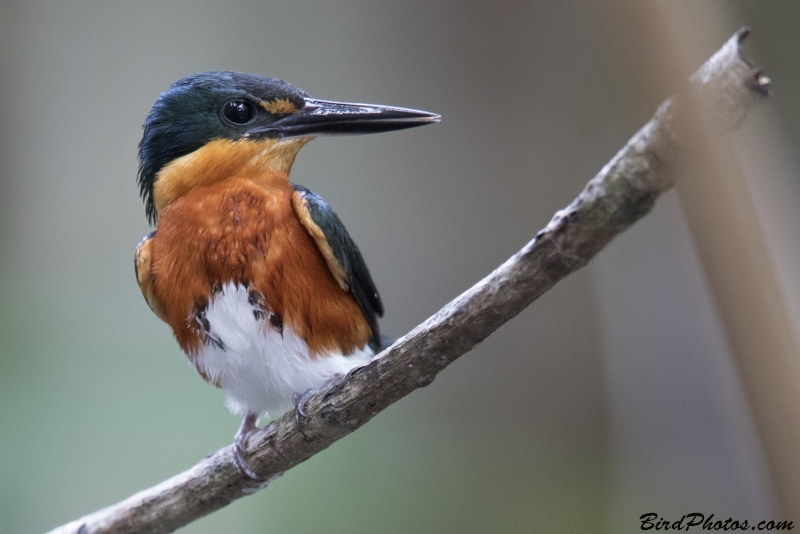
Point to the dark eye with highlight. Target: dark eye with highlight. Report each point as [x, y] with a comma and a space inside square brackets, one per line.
[239, 111]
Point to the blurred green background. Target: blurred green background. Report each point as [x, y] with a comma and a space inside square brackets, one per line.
[612, 396]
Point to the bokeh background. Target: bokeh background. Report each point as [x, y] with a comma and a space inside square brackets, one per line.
[612, 396]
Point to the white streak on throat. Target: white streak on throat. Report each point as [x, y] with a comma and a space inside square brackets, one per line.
[260, 368]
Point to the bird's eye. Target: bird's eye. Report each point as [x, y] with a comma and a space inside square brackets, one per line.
[239, 111]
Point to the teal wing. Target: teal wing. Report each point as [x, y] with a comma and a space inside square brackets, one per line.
[342, 255]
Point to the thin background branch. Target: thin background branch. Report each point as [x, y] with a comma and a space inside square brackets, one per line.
[623, 192]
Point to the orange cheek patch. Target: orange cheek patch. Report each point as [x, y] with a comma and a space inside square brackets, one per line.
[212, 163]
[265, 161]
[280, 106]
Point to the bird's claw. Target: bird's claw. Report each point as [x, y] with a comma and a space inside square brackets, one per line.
[300, 400]
[241, 465]
[247, 428]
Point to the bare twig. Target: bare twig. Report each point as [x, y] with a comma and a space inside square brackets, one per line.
[751, 302]
[623, 192]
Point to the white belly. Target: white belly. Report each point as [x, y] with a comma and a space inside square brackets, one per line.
[258, 366]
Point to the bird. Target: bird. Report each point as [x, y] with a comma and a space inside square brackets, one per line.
[264, 289]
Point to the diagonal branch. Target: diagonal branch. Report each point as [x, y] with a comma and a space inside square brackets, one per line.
[621, 193]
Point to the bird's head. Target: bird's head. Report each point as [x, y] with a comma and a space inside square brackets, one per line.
[213, 125]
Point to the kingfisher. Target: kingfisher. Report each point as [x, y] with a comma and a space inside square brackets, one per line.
[264, 289]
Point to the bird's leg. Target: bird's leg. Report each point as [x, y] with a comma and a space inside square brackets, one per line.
[300, 401]
[247, 428]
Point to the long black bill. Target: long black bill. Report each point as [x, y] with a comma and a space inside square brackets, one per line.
[324, 117]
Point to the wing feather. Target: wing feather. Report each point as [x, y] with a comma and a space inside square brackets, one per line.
[341, 254]
[144, 274]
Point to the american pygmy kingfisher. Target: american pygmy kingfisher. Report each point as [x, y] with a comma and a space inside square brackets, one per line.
[263, 287]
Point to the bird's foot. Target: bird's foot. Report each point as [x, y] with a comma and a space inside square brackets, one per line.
[247, 429]
[300, 400]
